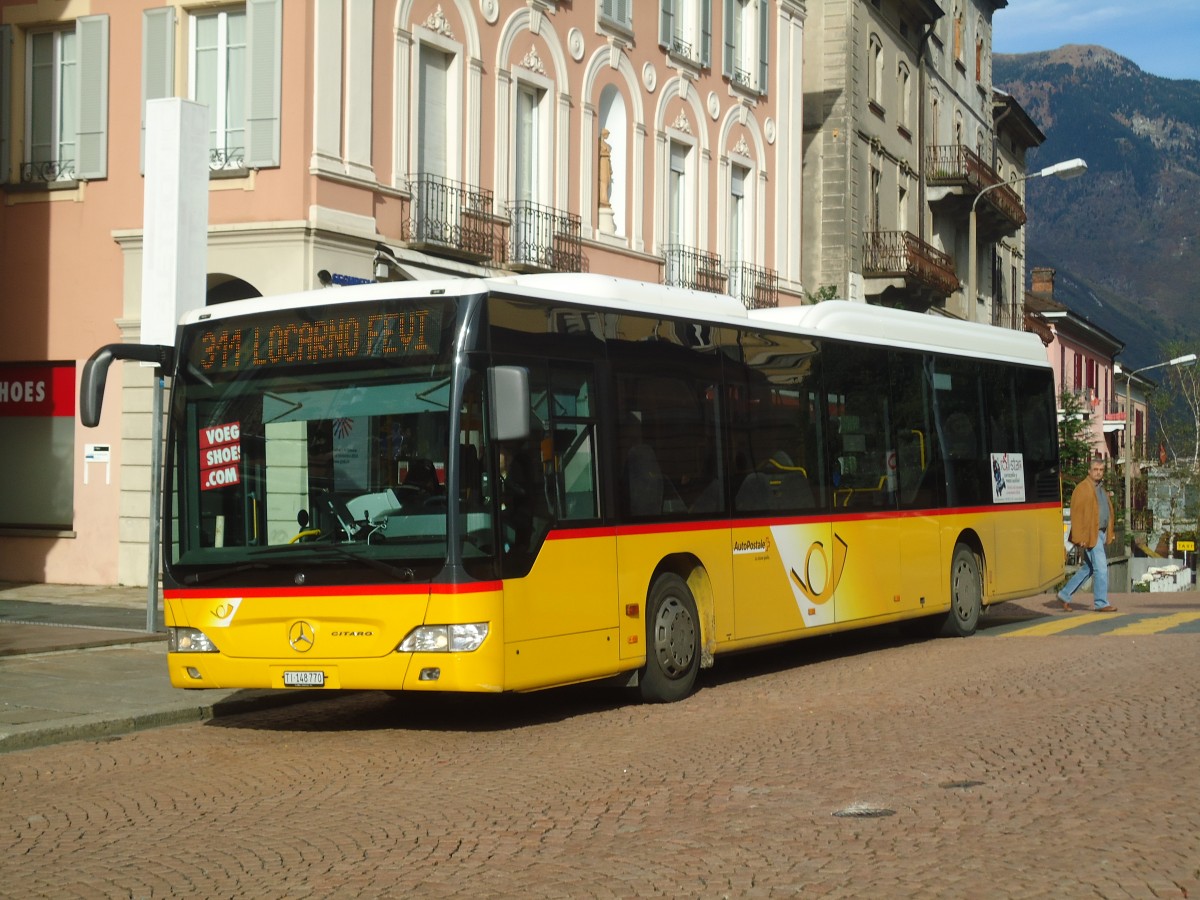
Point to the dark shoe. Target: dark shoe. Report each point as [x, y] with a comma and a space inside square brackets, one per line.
[1106, 609]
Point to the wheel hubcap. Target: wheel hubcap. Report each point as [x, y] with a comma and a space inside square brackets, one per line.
[674, 637]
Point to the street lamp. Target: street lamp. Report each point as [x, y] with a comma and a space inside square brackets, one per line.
[1071, 168]
[1186, 360]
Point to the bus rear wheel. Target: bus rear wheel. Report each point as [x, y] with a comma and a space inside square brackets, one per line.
[672, 641]
[966, 593]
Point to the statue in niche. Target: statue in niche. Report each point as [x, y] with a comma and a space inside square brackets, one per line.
[604, 182]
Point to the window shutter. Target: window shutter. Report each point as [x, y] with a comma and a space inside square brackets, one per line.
[264, 67]
[728, 60]
[158, 62]
[623, 12]
[706, 34]
[764, 30]
[5, 83]
[666, 23]
[92, 124]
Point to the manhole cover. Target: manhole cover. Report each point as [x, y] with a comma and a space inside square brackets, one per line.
[864, 811]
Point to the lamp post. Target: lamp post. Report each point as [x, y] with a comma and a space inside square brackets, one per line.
[1186, 360]
[1071, 168]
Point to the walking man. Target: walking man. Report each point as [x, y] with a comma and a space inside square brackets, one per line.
[1091, 529]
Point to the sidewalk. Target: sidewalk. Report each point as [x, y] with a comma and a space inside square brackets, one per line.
[76, 662]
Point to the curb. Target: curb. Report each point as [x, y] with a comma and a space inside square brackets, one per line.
[100, 728]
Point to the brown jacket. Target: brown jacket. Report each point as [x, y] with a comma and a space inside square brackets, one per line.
[1085, 515]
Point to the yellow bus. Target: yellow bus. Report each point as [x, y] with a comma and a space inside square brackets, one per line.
[516, 483]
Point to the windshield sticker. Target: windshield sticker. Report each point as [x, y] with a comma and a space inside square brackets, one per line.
[220, 456]
[1008, 478]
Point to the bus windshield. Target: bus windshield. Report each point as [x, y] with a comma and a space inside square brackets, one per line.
[314, 438]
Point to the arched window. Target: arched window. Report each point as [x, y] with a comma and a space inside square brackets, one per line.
[875, 69]
[905, 84]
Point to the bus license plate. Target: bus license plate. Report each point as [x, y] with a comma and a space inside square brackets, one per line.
[304, 679]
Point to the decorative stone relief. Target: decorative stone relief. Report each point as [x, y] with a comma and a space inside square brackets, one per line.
[575, 44]
[437, 22]
[681, 123]
[714, 105]
[649, 77]
[740, 147]
[769, 130]
[490, 10]
[533, 62]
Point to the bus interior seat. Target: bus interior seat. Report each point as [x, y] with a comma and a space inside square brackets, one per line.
[422, 474]
[754, 493]
[711, 499]
[789, 487]
[644, 481]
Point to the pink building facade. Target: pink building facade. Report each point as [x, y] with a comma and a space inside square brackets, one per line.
[365, 139]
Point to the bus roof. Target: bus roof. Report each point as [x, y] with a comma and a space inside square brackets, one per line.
[900, 328]
[832, 318]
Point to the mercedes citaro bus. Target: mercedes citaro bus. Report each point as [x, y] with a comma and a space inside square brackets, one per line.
[514, 483]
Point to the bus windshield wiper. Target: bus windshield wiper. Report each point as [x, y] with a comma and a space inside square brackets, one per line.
[215, 574]
[402, 573]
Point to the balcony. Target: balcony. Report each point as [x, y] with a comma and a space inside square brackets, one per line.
[450, 219]
[919, 271]
[48, 171]
[542, 239]
[755, 286]
[226, 158]
[956, 166]
[693, 268]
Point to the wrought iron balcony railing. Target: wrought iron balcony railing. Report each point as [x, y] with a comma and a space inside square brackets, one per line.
[451, 218]
[757, 287]
[901, 254]
[543, 239]
[958, 165]
[682, 48]
[693, 268]
[220, 158]
[47, 171]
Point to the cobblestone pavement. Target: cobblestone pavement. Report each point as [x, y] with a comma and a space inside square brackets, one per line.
[1056, 766]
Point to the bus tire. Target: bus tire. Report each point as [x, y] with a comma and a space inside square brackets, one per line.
[672, 641]
[966, 593]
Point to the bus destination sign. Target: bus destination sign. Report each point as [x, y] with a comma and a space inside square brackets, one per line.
[288, 338]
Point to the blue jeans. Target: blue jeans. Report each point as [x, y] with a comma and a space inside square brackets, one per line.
[1095, 567]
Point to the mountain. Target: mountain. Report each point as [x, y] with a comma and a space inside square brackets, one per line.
[1124, 238]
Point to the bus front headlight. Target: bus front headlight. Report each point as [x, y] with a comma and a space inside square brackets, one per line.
[189, 640]
[444, 638]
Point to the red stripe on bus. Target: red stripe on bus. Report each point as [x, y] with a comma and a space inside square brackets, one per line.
[361, 590]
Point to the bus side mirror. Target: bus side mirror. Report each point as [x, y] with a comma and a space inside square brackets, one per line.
[508, 396]
[95, 374]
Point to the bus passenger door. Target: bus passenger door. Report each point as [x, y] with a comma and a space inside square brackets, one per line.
[559, 564]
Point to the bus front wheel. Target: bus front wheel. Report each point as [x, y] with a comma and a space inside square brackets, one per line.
[672, 641]
[966, 593]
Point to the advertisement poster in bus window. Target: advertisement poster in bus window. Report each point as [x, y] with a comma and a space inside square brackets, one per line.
[220, 456]
[1008, 478]
[351, 453]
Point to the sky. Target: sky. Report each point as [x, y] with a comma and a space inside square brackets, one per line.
[1161, 36]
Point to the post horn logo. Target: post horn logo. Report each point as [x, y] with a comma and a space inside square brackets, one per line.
[301, 637]
[834, 572]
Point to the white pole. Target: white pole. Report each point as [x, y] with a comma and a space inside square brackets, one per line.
[174, 265]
